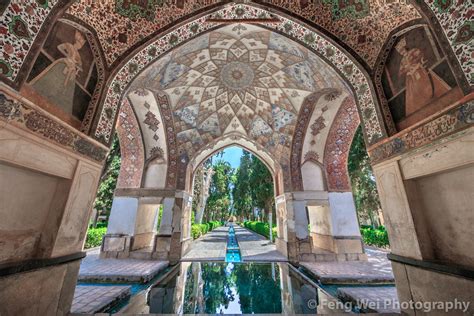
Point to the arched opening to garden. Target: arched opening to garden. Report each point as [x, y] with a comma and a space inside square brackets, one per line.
[178, 81]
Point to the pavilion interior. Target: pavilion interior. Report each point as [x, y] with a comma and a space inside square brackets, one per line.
[289, 81]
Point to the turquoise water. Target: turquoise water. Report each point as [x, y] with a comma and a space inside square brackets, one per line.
[232, 250]
[233, 288]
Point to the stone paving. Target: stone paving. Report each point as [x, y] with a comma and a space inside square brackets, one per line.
[376, 270]
[118, 270]
[210, 247]
[90, 299]
[254, 247]
[379, 299]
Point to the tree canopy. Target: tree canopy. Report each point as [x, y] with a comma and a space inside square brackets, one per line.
[108, 179]
[363, 181]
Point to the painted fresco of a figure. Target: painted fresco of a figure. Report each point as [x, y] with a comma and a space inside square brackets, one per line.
[422, 84]
[58, 81]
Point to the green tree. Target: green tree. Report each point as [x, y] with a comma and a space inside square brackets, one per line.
[108, 179]
[241, 192]
[261, 184]
[219, 201]
[363, 181]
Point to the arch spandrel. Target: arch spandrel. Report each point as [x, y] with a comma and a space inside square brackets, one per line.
[131, 148]
[246, 81]
[353, 74]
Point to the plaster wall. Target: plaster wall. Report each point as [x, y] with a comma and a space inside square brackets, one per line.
[343, 214]
[447, 205]
[47, 291]
[123, 215]
[155, 176]
[23, 193]
[313, 177]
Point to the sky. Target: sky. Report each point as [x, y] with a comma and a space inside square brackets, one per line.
[232, 155]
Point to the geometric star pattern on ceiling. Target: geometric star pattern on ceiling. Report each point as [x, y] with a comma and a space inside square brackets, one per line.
[241, 78]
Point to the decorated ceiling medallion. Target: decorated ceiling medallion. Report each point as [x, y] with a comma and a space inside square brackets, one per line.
[237, 75]
[247, 81]
[324, 55]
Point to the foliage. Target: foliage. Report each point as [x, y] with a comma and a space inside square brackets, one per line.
[160, 215]
[375, 237]
[198, 183]
[242, 190]
[94, 237]
[261, 184]
[261, 228]
[197, 230]
[253, 187]
[363, 181]
[219, 201]
[108, 179]
[211, 287]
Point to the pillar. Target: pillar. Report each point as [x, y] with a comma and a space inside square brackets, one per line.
[335, 228]
[427, 199]
[163, 238]
[180, 226]
[46, 191]
[132, 225]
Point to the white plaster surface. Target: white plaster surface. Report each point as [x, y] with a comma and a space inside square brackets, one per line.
[301, 219]
[155, 176]
[343, 214]
[123, 215]
[167, 216]
[312, 176]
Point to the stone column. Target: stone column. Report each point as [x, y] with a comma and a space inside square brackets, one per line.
[333, 224]
[145, 223]
[46, 195]
[163, 238]
[117, 242]
[180, 226]
[427, 200]
[293, 238]
[335, 227]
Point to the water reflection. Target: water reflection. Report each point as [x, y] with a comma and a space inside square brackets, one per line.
[233, 288]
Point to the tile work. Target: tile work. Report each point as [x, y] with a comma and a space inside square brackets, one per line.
[131, 270]
[246, 80]
[363, 25]
[131, 148]
[23, 115]
[455, 18]
[338, 144]
[121, 24]
[91, 299]
[20, 23]
[330, 53]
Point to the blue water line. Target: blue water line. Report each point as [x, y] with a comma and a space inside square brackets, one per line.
[232, 251]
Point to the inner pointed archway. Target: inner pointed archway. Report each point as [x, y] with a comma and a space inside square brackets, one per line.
[236, 85]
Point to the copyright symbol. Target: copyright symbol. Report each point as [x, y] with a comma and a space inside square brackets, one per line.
[312, 304]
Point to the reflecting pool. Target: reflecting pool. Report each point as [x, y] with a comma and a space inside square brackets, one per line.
[231, 288]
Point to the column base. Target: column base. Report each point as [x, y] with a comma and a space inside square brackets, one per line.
[116, 246]
[424, 278]
[161, 251]
[41, 289]
[334, 248]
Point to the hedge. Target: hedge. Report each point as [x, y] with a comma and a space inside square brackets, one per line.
[94, 237]
[261, 228]
[197, 230]
[375, 237]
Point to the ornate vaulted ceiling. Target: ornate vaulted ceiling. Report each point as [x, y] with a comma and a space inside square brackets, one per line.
[364, 25]
[238, 79]
[123, 23]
